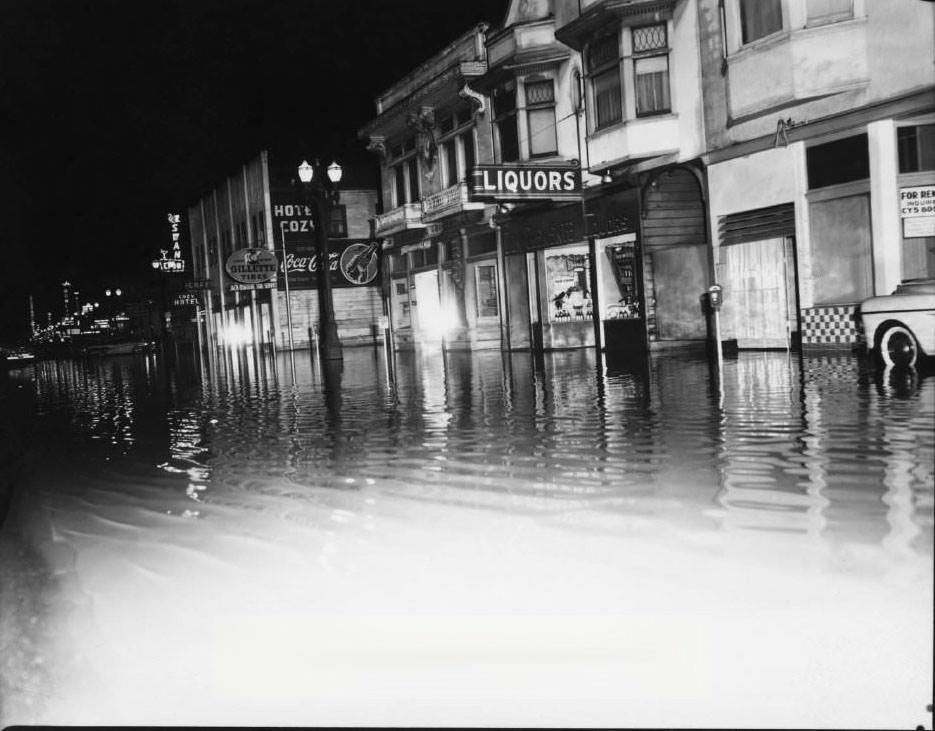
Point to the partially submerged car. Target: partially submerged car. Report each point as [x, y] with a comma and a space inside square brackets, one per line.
[900, 327]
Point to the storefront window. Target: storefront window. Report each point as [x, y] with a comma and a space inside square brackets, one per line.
[916, 146]
[837, 162]
[486, 277]
[569, 285]
[842, 264]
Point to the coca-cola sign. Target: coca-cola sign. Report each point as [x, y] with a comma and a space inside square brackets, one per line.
[352, 263]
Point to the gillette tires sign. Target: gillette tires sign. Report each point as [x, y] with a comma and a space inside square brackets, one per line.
[527, 182]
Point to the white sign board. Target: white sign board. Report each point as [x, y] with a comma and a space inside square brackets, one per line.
[917, 226]
[917, 201]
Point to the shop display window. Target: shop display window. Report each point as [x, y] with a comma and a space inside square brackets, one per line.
[568, 284]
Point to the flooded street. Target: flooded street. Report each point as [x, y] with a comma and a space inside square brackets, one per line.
[469, 539]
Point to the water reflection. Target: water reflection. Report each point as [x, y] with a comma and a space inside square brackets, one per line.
[483, 482]
[820, 448]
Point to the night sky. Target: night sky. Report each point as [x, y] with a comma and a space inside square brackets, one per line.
[115, 113]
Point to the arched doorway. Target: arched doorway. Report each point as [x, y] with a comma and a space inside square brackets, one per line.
[675, 256]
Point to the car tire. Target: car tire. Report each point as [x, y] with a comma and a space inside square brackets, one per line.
[898, 347]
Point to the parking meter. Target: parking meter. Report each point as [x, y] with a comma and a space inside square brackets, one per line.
[714, 296]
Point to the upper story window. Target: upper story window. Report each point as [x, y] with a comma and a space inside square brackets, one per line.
[504, 112]
[651, 69]
[457, 145]
[839, 161]
[540, 117]
[604, 71]
[759, 18]
[337, 225]
[916, 148]
[405, 172]
[828, 11]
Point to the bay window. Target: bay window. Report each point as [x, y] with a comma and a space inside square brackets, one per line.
[604, 70]
[651, 69]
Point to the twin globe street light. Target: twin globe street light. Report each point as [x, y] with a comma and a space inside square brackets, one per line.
[322, 194]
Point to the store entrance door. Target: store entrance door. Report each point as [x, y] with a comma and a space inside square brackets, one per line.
[758, 278]
[429, 323]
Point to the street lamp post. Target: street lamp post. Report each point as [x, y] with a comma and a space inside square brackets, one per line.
[323, 194]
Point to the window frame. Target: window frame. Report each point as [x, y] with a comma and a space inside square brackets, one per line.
[612, 65]
[742, 26]
[485, 315]
[404, 166]
[507, 117]
[537, 107]
[663, 51]
[337, 222]
[458, 122]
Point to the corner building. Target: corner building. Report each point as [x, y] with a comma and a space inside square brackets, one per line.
[639, 90]
[260, 206]
[441, 275]
[820, 127]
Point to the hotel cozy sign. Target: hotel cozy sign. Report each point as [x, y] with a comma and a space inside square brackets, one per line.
[520, 182]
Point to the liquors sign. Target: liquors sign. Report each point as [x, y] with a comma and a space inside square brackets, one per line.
[526, 182]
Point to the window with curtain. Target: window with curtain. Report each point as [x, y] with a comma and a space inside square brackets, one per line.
[651, 69]
[603, 58]
[540, 117]
[759, 18]
[504, 110]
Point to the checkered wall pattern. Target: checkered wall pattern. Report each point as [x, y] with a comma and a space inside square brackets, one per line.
[831, 325]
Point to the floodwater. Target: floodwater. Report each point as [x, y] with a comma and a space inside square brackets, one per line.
[469, 539]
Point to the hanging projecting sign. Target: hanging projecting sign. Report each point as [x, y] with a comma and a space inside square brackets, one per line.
[518, 182]
[252, 267]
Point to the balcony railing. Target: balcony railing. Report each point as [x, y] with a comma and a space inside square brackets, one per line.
[452, 199]
[400, 218]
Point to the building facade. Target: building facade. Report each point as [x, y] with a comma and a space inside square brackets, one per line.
[820, 128]
[781, 149]
[261, 206]
[442, 280]
[640, 90]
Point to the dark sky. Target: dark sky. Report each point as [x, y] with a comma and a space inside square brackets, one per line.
[115, 112]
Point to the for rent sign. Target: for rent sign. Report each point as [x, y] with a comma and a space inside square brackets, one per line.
[527, 182]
